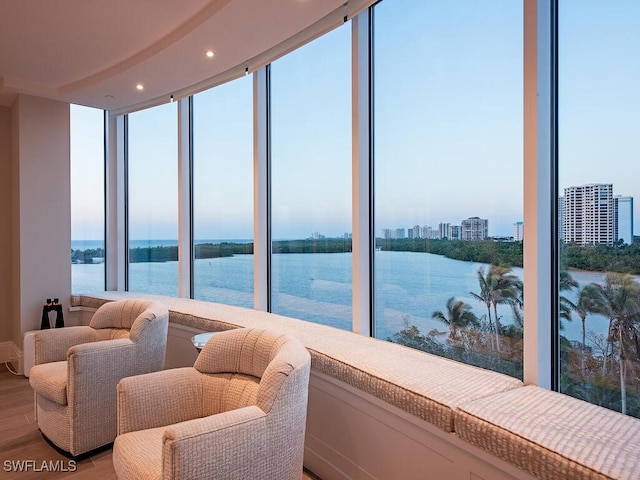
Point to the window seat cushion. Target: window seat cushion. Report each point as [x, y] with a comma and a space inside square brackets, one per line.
[553, 436]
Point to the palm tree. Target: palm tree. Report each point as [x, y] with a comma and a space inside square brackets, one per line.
[486, 288]
[498, 286]
[508, 290]
[590, 300]
[566, 306]
[621, 297]
[459, 315]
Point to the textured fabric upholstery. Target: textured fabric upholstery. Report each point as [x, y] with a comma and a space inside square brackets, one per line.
[51, 383]
[238, 413]
[77, 370]
[553, 436]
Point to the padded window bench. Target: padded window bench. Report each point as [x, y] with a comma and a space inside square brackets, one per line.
[553, 436]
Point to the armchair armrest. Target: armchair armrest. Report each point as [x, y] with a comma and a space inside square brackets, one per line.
[52, 345]
[207, 447]
[159, 398]
[94, 370]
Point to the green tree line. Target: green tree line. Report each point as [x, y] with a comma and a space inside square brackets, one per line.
[600, 258]
[620, 258]
[161, 253]
[488, 251]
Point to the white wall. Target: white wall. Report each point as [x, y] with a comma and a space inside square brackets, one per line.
[5, 232]
[41, 221]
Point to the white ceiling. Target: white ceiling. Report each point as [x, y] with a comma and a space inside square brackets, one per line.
[95, 52]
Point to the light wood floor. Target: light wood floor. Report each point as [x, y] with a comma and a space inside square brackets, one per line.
[20, 440]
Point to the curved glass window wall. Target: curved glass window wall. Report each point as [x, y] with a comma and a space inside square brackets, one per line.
[447, 187]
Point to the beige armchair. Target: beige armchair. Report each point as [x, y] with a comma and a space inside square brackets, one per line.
[77, 370]
[238, 413]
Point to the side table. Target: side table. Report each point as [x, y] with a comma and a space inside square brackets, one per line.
[200, 340]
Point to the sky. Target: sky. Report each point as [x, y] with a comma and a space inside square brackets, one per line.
[448, 127]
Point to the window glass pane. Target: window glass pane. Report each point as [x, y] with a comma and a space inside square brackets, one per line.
[598, 101]
[311, 181]
[87, 199]
[153, 200]
[448, 179]
[223, 193]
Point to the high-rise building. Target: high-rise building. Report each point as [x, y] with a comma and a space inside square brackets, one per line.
[475, 228]
[426, 232]
[624, 216]
[444, 230]
[518, 231]
[589, 214]
[561, 218]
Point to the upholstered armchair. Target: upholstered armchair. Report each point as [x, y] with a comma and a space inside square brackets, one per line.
[76, 371]
[238, 413]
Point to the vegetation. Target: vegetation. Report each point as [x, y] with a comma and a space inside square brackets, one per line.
[620, 258]
[312, 245]
[608, 375]
[224, 249]
[161, 253]
[499, 253]
[87, 256]
[484, 342]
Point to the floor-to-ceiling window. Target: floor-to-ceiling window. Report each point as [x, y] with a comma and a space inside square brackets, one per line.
[223, 193]
[87, 199]
[448, 178]
[598, 124]
[311, 181]
[153, 200]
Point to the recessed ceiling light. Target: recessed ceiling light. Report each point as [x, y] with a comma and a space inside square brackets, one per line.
[210, 54]
[140, 86]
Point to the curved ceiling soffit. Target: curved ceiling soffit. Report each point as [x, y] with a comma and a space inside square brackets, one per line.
[170, 38]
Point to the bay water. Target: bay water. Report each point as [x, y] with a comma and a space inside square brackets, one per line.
[408, 288]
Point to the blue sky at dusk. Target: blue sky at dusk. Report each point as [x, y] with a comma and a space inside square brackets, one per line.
[448, 126]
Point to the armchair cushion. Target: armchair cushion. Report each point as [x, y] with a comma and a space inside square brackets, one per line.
[51, 383]
[120, 315]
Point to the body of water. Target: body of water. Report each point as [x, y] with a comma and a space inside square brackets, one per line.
[409, 286]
